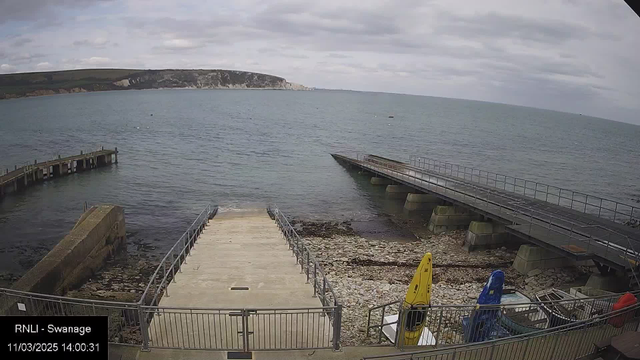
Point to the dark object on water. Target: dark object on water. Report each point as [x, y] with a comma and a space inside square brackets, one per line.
[390, 116]
[151, 115]
[521, 319]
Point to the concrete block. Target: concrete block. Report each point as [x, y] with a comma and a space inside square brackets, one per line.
[84, 250]
[438, 229]
[451, 219]
[422, 198]
[611, 283]
[479, 227]
[380, 181]
[475, 241]
[402, 189]
[532, 257]
[413, 206]
[421, 202]
[450, 210]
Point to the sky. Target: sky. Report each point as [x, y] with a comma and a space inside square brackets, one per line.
[578, 56]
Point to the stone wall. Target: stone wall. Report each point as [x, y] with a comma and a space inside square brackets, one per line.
[99, 233]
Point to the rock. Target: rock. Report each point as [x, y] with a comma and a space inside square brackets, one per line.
[534, 272]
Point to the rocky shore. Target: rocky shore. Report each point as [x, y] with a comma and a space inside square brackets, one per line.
[367, 272]
[122, 279]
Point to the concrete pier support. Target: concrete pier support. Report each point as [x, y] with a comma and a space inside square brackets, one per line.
[380, 181]
[613, 283]
[445, 218]
[398, 189]
[531, 257]
[484, 235]
[64, 168]
[421, 202]
[101, 161]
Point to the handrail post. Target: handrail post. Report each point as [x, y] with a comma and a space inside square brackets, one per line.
[308, 256]
[315, 277]
[400, 328]
[324, 289]
[337, 327]
[144, 328]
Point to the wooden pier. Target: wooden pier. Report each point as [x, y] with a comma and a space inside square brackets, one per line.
[25, 176]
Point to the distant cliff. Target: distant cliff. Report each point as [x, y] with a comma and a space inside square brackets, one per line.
[70, 81]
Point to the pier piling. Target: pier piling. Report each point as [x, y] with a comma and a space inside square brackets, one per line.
[32, 174]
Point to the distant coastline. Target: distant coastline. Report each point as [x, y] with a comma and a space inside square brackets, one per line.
[89, 80]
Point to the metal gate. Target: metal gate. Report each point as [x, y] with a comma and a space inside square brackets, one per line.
[241, 329]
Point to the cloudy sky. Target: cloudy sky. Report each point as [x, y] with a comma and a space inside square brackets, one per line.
[578, 56]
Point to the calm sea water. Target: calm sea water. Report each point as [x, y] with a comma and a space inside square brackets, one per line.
[243, 149]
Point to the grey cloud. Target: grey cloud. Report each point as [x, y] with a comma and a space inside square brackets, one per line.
[31, 10]
[94, 43]
[493, 25]
[338, 56]
[25, 58]
[21, 42]
[183, 28]
[303, 22]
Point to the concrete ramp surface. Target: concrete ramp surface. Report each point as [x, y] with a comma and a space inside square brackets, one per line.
[240, 265]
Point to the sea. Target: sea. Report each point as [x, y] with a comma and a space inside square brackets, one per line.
[180, 150]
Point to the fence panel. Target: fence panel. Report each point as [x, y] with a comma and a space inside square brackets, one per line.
[124, 318]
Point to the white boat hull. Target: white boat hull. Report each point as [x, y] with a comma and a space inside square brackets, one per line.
[390, 326]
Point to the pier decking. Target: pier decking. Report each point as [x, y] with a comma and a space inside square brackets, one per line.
[22, 177]
[574, 234]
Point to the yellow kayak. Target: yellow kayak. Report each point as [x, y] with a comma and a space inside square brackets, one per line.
[418, 295]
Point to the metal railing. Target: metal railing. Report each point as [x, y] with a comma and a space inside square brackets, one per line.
[148, 325]
[570, 341]
[124, 318]
[304, 257]
[242, 329]
[573, 233]
[125, 326]
[589, 204]
[175, 257]
[311, 268]
[446, 323]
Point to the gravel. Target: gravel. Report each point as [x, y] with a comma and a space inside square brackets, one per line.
[367, 272]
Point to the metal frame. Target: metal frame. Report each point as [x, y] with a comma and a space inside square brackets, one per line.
[588, 204]
[149, 325]
[576, 340]
[478, 198]
[245, 329]
[175, 257]
[311, 268]
[124, 317]
[444, 321]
